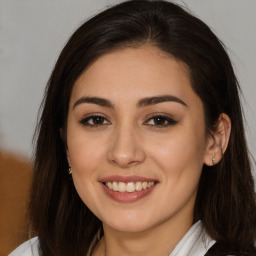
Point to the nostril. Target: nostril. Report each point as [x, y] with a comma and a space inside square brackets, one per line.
[124, 163]
[126, 159]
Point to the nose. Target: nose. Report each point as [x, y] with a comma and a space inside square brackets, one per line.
[126, 149]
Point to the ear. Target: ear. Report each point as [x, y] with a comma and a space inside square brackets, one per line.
[218, 140]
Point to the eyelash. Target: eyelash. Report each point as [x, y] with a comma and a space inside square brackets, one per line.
[86, 121]
[167, 121]
[162, 118]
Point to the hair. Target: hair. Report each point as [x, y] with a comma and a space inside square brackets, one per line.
[225, 200]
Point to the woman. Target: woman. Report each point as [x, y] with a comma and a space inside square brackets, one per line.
[135, 151]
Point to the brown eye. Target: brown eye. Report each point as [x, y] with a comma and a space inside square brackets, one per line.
[95, 120]
[161, 121]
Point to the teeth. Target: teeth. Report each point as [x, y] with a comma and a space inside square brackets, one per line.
[121, 187]
[115, 186]
[138, 186]
[144, 185]
[150, 184]
[109, 185]
[130, 186]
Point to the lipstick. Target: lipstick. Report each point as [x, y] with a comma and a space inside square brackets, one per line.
[127, 189]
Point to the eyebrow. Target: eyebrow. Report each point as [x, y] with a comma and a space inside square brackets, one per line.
[141, 103]
[159, 99]
[94, 100]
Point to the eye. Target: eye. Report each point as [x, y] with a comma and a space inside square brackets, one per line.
[94, 121]
[160, 121]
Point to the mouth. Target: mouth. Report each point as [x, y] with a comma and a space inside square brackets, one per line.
[128, 189]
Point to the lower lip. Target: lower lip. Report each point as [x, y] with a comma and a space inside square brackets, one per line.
[127, 197]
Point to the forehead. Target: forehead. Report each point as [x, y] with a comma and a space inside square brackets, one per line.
[134, 73]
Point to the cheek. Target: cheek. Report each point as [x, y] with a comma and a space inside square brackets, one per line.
[180, 162]
[180, 155]
[86, 161]
[85, 156]
[83, 151]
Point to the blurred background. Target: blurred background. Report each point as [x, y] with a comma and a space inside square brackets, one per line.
[32, 34]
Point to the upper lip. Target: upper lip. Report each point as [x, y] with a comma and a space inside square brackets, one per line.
[126, 179]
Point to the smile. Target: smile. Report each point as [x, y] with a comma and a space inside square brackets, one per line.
[129, 187]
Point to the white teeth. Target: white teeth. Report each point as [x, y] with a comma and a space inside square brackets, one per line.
[121, 187]
[150, 184]
[144, 185]
[130, 186]
[115, 186]
[138, 186]
[109, 185]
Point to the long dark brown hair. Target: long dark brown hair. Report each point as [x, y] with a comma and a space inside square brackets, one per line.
[226, 199]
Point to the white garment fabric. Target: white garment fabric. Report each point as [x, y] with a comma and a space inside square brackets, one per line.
[29, 248]
[194, 242]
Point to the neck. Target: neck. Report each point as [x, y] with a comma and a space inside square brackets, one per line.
[163, 237]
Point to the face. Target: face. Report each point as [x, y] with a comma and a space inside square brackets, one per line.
[136, 139]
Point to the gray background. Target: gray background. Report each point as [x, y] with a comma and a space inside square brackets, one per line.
[33, 32]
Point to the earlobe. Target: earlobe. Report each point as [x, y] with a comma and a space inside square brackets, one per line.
[218, 140]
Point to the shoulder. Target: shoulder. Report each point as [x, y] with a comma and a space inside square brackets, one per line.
[29, 248]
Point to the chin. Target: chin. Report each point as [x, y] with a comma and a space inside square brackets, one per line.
[131, 223]
[128, 227]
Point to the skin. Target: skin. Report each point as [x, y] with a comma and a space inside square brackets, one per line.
[127, 140]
